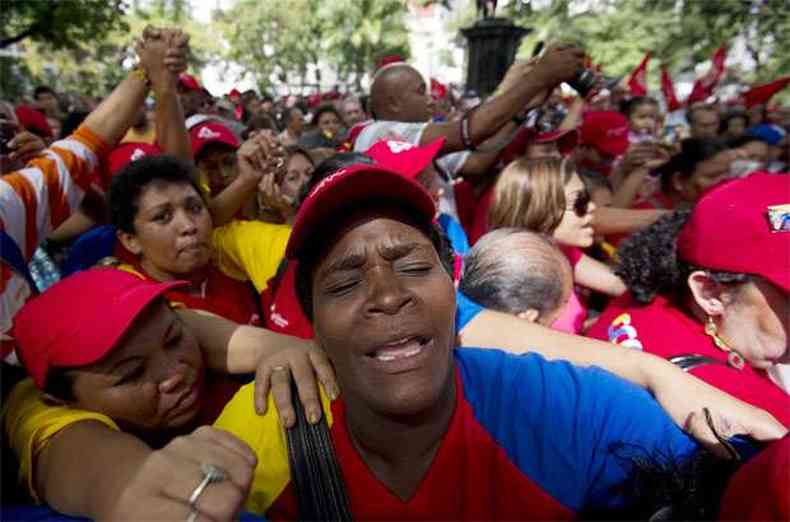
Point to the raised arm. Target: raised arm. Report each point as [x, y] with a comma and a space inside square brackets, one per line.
[558, 64]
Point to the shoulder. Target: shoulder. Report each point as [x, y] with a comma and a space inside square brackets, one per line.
[392, 130]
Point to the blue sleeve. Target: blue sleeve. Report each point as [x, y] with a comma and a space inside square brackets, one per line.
[90, 248]
[568, 428]
[455, 234]
[466, 310]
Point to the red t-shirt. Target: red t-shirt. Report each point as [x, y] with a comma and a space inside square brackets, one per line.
[662, 329]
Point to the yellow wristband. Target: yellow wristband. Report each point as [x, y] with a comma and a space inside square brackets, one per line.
[139, 73]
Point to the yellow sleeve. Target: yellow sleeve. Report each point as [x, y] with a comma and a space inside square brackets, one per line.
[250, 250]
[266, 437]
[30, 424]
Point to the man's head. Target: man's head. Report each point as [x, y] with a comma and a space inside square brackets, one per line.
[352, 112]
[703, 121]
[214, 149]
[374, 279]
[123, 353]
[47, 99]
[518, 272]
[295, 121]
[399, 93]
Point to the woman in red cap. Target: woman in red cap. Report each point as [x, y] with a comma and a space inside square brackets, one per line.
[709, 291]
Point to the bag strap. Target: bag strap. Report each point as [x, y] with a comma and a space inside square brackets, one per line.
[690, 361]
[12, 256]
[315, 474]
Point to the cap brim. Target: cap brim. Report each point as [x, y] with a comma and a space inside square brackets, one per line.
[355, 185]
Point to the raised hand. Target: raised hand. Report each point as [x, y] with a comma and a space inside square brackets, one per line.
[560, 63]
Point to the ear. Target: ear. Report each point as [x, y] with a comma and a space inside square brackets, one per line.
[707, 293]
[530, 314]
[129, 242]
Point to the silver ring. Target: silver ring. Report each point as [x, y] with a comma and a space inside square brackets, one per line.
[211, 473]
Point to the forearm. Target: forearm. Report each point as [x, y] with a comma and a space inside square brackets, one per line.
[610, 220]
[489, 117]
[627, 191]
[171, 132]
[591, 273]
[73, 484]
[478, 164]
[227, 203]
[232, 348]
[574, 117]
[113, 117]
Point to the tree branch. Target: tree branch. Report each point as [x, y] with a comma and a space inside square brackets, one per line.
[33, 29]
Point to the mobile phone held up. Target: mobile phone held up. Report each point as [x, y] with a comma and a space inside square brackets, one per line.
[585, 80]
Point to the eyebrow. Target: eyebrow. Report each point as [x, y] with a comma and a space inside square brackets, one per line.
[399, 250]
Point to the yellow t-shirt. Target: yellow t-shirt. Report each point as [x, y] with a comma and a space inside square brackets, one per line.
[134, 136]
[266, 436]
[30, 423]
[250, 250]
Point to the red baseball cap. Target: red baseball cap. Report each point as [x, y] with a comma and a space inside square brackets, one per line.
[126, 153]
[211, 132]
[405, 158]
[566, 139]
[189, 82]
[33, 120]
[348, 186]
[742, 226]
[106, 302]
[607, 131]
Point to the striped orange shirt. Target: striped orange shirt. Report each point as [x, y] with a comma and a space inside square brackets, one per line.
[36, 200]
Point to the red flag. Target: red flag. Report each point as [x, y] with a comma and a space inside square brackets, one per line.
[760, 94]
[438, 89]
[668, 89]
[704, 85]
[637, 82]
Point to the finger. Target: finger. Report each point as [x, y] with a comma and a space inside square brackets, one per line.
[698, 429]
[302, 371]
[209, 450]
[218, 501]
[228, 441]
[260, 396]
[281, 393]
[326, 374]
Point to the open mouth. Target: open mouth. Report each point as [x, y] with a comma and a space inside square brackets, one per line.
[400, 349]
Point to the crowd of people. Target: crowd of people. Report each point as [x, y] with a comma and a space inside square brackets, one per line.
[392, 306]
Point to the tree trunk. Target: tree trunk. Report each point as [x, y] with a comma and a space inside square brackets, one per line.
[19, 37]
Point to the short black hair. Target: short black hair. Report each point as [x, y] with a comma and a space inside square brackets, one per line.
[649, 264]
[60, 384]
[693, 151]
[691, 111]
[127, 185]
[323, 109]
[43, 89]
[628, 106]
[740, 141]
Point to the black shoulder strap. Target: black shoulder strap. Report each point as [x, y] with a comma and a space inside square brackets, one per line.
[315, 473]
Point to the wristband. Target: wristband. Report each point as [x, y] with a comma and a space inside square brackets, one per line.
[466, 137]
[140, 74]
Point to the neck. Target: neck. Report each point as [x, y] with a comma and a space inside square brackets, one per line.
[196, 277]
[399, 450]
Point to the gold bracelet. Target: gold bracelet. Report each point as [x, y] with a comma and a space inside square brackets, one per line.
[139, 73]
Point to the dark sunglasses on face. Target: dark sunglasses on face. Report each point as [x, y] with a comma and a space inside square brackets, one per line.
[581, 203]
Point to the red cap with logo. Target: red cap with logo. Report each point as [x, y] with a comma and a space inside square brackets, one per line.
[348, 186]
[405, 158]
[126, 153]
[211, 132]
[106, 301]
[742, 226]
[607, 131]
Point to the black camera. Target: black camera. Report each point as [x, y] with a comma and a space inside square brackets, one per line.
[584, 82]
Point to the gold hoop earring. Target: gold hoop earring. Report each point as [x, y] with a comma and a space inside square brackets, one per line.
[734, 359]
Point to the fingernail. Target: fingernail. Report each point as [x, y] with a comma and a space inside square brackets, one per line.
[312, 418]
[333, 392]
[287, 420]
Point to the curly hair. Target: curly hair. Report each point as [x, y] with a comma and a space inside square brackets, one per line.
[649, 263]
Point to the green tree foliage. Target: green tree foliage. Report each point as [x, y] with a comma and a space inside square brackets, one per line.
[61, 24]
[98, 61]
[279, 41]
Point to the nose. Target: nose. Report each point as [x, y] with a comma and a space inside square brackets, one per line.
[186, 223]
[386, 295]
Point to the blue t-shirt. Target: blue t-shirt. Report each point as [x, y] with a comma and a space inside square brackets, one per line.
[466, 310]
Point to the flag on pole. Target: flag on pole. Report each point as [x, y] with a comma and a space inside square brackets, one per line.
[760, 94]
[668, 89]
[704, 85]
[637, 82]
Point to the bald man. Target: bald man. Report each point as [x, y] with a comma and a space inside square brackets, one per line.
[401, 106]
[518, 272]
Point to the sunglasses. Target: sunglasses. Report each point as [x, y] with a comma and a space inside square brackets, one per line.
[581, 203]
